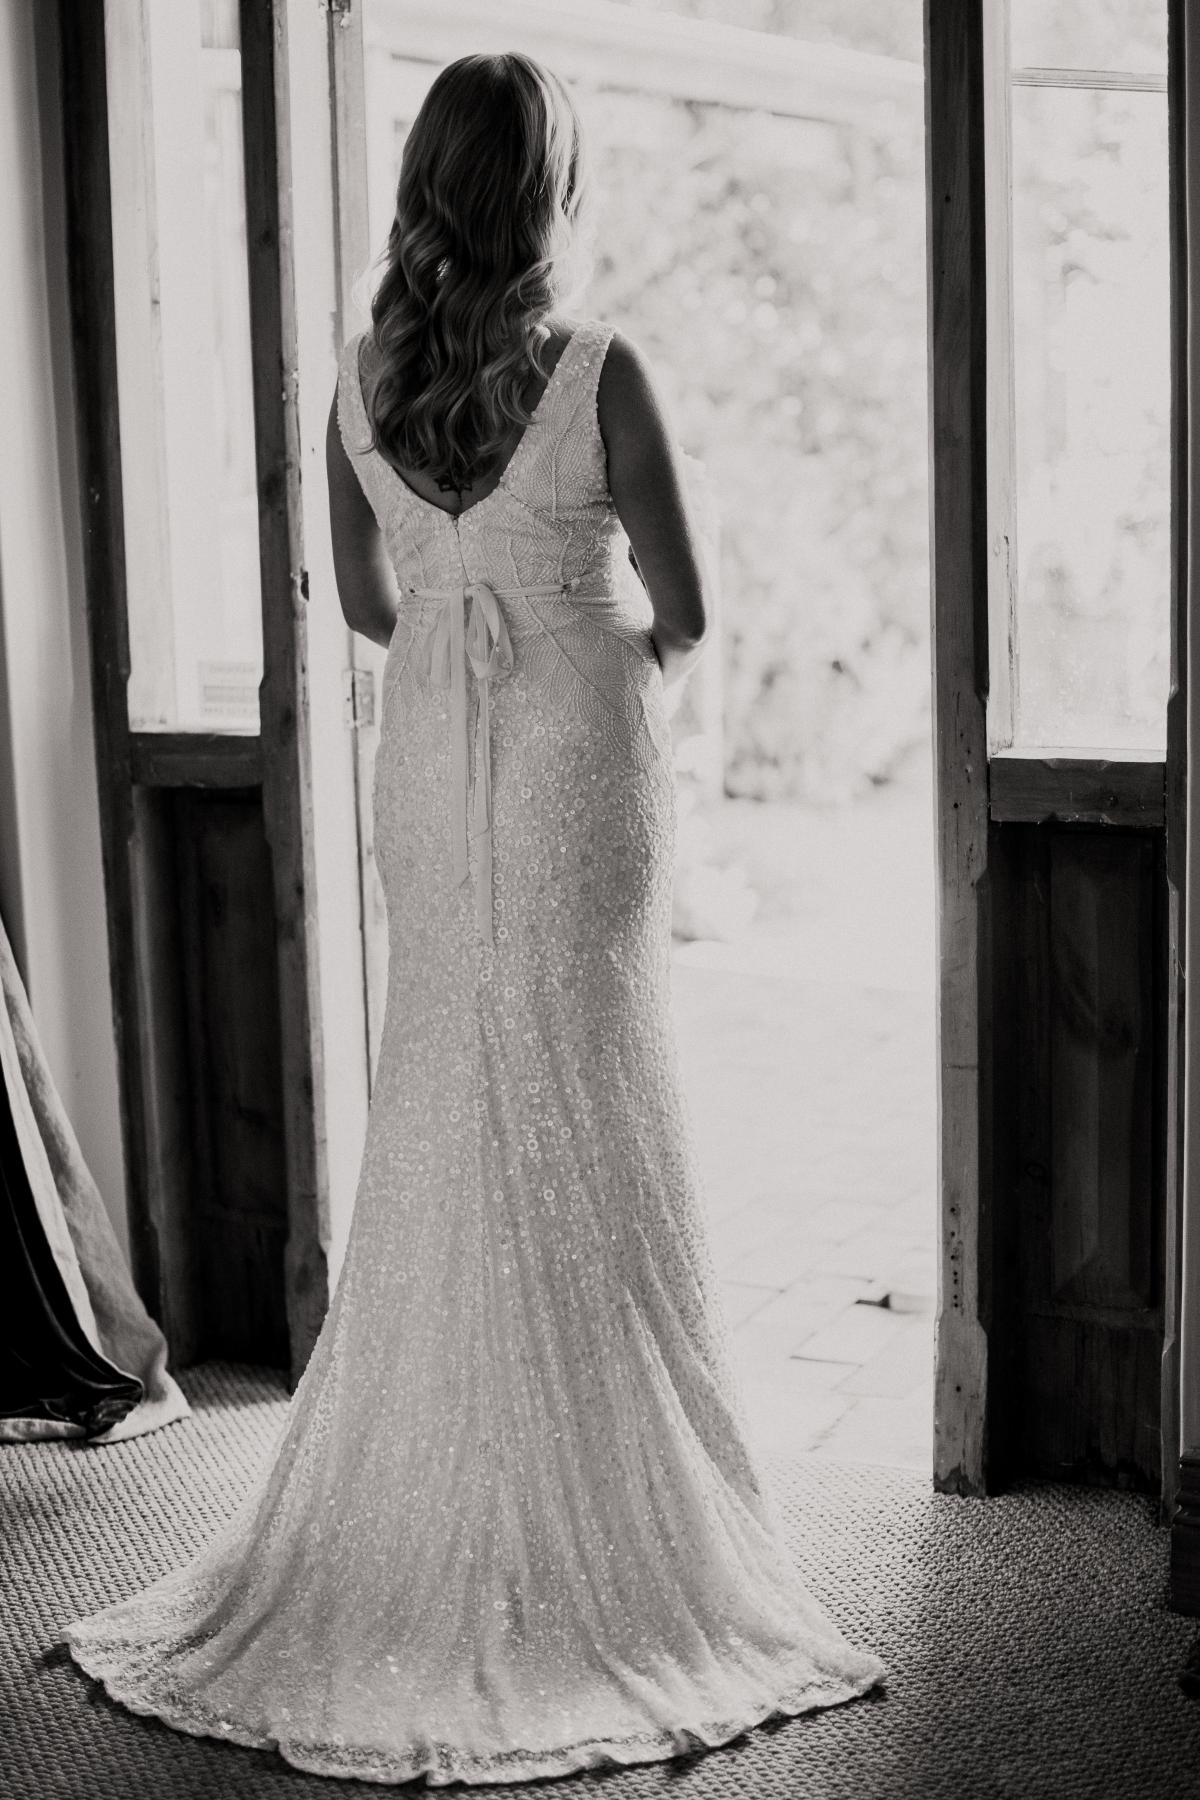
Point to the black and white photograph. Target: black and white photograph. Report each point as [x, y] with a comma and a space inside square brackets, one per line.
[599, 765]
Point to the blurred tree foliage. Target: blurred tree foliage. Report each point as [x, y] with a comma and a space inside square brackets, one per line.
[1091, 279]
[773, 270]
[887, 27]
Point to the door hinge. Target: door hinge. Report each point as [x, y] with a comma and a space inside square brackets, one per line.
[358, 698]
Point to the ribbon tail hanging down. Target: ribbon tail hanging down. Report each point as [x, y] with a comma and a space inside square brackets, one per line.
[458, 726]
[490, 650]
[470, 628]
[481, 823]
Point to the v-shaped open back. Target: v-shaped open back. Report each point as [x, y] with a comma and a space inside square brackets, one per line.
[543, 399]
[550, 516]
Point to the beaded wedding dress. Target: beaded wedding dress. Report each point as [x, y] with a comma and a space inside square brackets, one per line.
[512, 1527]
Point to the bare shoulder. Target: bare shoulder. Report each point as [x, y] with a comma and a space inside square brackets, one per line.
[629, 402]
[626, 372]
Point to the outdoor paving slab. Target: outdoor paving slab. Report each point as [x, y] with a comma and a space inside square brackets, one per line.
[882, 1431]
[807, 1375]
[825, 1298]
[815, 1288]
[768, 1262]
[741, 1301]
[901, 1369]
[785, 1260]
[728, 1231]
[911, 1282]
[765, 1342]
[868, 1168]
[869, 1254]
[856, 1334]
[838, 1219]
[786, 1424]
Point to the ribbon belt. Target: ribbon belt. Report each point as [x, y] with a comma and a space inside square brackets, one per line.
[469, 627]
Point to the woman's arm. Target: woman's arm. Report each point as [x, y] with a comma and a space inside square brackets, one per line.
[365, 583]
[647, 486]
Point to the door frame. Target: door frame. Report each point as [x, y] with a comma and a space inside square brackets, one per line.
[1185, 1347]
[974, 792]
[957, 313]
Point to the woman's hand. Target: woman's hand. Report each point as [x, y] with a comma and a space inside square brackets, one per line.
[675, 658]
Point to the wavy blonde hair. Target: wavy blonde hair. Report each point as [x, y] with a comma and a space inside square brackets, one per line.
[485, 241]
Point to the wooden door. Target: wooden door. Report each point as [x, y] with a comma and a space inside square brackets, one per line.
[199, 153]
[1059, 733]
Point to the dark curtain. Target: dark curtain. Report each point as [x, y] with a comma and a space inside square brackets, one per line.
[48, 1368]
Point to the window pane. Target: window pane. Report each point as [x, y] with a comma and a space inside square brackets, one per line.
[1128, 35]
[1092, 403]
[183, 355]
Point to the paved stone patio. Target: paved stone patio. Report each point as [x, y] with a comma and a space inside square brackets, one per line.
[808, 1051]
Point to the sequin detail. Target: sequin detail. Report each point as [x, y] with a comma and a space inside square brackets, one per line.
[512, 1527]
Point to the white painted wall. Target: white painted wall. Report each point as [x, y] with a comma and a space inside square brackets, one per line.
[51, 886]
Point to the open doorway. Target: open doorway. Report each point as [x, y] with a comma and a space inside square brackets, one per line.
[761, 234]
[771, 174]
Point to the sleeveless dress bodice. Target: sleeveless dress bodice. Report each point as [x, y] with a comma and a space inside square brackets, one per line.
[534, 579]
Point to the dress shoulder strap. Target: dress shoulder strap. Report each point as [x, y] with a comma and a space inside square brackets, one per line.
[352, 411]
[583, 358]
[561, 459]
[355, 428]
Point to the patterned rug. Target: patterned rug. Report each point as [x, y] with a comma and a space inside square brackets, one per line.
[1030, 1649]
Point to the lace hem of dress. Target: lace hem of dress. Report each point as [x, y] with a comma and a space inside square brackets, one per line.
[441, 1764]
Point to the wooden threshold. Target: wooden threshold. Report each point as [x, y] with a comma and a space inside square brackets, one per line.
[1078, 790]
[202, 759]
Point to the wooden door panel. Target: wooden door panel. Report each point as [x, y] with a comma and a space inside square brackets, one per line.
[1080, 1142]
[239, 1213]
[1088, 1400]
[1102, 1064]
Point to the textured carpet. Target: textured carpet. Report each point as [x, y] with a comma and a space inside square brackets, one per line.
[1030, 1648]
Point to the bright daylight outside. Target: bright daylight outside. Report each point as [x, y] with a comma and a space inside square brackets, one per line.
[759, 166]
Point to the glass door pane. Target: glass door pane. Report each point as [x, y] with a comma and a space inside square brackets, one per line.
[183, 353]
[1115, 35]
[1088, 587]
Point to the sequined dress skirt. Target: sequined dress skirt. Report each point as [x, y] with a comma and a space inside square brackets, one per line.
[512, 1527]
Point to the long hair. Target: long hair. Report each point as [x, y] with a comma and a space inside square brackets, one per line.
[485, 238]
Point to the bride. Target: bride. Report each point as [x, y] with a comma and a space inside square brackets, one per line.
[512, 1527]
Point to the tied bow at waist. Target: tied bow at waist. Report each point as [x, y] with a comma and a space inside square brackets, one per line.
[469, 627]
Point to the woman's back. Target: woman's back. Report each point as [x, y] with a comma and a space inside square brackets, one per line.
[439, 492]
[563, 632]
[547, 505]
